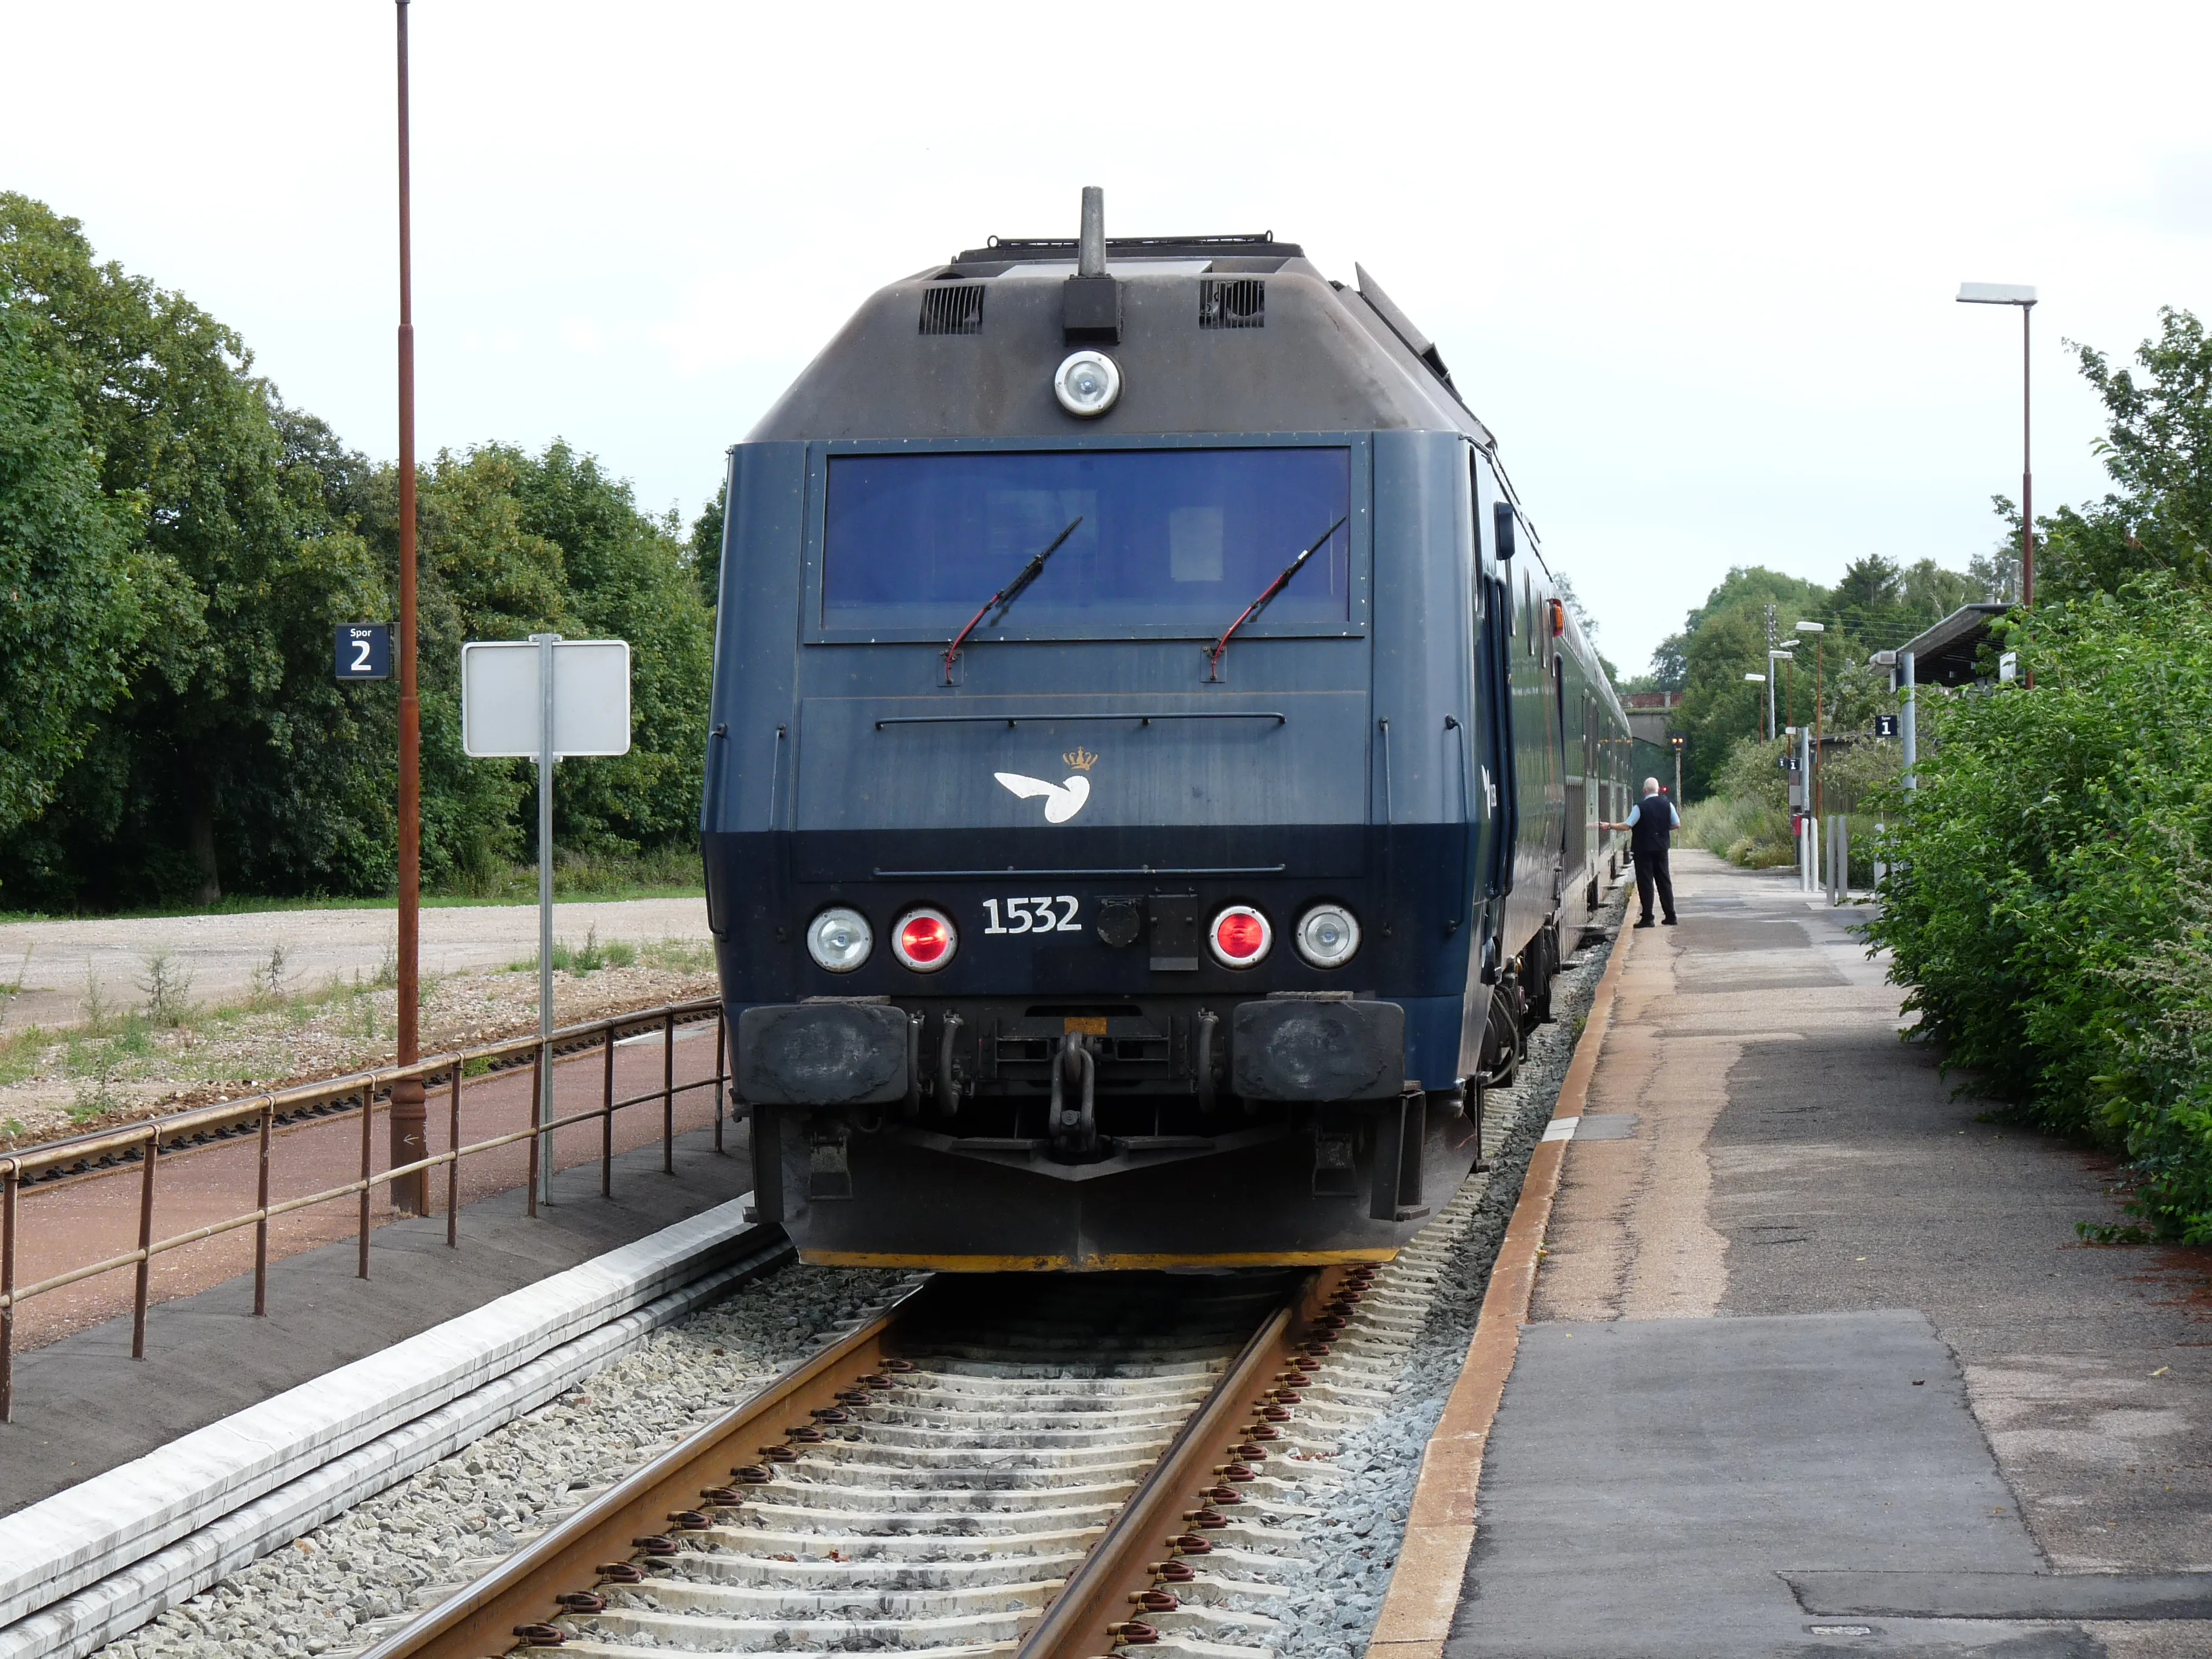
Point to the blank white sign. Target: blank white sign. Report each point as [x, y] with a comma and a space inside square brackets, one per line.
[499, 711]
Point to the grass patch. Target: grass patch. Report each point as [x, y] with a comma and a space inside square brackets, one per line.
[20, 1052]
[590, 956]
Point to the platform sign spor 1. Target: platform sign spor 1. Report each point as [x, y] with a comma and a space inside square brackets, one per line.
[364, 652]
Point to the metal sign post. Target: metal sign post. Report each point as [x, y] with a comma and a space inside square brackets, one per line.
[540, 700]
[548, 758]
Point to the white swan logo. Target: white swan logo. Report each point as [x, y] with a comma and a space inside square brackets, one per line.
[1062, 801]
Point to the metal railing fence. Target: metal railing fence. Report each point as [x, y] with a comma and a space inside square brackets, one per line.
[157, 1137]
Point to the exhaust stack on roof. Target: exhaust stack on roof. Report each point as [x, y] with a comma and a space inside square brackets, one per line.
[1090, 312]
[1090, 245]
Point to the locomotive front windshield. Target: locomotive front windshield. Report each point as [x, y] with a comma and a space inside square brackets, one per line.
[1168, 539]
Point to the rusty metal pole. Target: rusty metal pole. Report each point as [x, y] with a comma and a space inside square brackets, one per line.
[145, 1245]
[261, 1203]
[668, 1098]
[453, 1156]
[7, 1289]
[607, 1123]
[410, 1115]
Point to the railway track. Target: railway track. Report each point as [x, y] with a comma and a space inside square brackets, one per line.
[1046, 1465]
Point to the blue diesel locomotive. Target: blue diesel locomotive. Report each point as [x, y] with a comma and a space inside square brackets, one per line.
[1150, 768]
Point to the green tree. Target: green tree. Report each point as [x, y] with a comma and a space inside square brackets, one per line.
[231, 747]
[707, 544]
[2051, 903]
[78, 598]
[2157, 449]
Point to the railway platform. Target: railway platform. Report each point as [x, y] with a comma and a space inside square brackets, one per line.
[82, 1405]
[1790, 1350]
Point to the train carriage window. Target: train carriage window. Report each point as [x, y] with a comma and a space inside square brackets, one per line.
[1168, 536]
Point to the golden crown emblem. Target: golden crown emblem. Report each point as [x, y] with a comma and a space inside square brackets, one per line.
[1080, 758]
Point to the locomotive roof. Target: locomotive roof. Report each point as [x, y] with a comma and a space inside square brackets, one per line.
[1218, 334]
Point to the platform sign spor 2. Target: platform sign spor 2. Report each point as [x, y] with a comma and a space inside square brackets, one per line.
[1062, 801]
[364, 652]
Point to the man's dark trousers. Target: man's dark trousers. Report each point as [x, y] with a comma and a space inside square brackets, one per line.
[1647, 839]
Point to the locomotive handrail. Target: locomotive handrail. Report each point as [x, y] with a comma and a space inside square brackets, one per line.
[1132, 870]
[1142, 716]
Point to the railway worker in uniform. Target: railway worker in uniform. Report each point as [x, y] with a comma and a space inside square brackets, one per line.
[1650, 823]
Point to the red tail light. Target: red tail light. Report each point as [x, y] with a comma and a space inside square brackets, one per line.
[924, 941]
[1240, 937]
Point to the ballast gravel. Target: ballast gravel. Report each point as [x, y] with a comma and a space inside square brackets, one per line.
[345, 1585]
[1336, 1582]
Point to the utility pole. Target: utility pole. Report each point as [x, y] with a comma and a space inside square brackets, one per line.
[410, 1139]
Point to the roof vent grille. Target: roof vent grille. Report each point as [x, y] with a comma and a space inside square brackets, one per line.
[952, 308]
[1240, 302]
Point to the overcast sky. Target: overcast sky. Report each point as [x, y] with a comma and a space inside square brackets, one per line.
[1693, 264]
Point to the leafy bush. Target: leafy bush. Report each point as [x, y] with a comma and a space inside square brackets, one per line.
[2050, 899]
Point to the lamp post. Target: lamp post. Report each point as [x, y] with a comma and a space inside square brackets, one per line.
[409, 1137]
[2013, 294]
[1813, 772]
[1775, 654]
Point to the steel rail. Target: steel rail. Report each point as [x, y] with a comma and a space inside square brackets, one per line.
[1122, 1573]
[515, 1603]
[524, 1588]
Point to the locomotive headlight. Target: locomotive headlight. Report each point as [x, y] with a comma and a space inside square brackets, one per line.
[1240, 937]
[1328, 936]
[924, 941]
[840, 940]
[1087, 384]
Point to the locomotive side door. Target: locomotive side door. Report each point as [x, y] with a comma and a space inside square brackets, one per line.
[1493, 646]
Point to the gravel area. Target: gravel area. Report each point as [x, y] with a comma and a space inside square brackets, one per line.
[1403, 1353]
[132, 1065]
[346, 1585]
[47, 966]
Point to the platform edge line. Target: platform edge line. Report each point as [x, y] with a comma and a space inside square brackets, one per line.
[1416, 1615]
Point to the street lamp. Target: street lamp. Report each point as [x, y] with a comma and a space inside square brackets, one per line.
[1815, 630]
[2013, 294]
[1775, 654]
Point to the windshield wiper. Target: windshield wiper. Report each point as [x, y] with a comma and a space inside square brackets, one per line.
[1005, 598]
[1213, 657]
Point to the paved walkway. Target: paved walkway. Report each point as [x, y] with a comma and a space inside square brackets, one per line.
[83, 1405]
[1817, 1361]
[221, 953]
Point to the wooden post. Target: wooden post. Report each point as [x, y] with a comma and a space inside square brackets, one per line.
[145, 1244]
[261, 1203]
